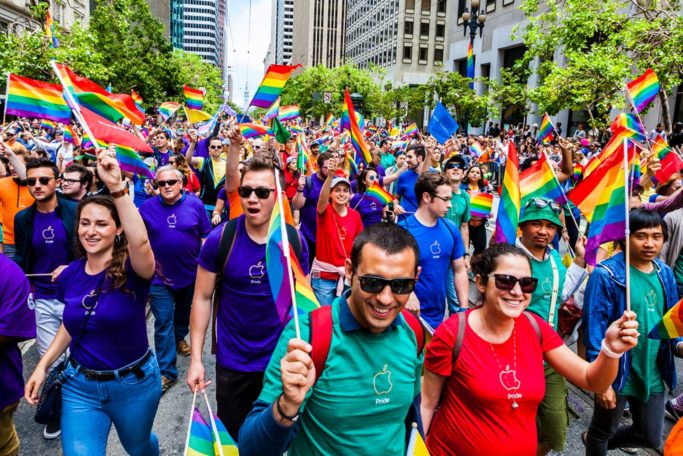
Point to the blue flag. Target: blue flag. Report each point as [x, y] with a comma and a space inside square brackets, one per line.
[442, 125]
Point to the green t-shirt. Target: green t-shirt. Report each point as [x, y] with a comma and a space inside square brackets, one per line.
[678, 269]
[359, 403]
[541, 299]
[386, 160]
[647, 301]
[460, 208]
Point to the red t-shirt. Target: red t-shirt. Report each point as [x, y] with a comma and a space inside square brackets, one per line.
[334, 237]
[476, 415]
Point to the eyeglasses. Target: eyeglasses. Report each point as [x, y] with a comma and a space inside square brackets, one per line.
[172, 162]
[168, 183]
[541, 203]
[454, 166]
[507, 282]
[70, 181]
[215, 147]
[445, 199]
[44, 180]
[375, 284]
[261, 192]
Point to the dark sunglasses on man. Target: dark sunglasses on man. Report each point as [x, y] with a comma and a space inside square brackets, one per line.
[375, 284]
[44, 180]
[261, 192]
[167, 183]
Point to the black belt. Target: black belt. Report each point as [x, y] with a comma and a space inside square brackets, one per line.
[111, 375]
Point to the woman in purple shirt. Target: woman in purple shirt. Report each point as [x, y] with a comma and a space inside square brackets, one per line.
[111, 376]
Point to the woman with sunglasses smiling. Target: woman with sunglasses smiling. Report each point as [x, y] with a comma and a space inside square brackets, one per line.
[484, 369]
[370, 209]
[473, 183]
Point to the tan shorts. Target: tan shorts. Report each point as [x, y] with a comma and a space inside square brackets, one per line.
[9, 440]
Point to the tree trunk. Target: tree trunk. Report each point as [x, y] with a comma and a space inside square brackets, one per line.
[666, 115]
[590, 116]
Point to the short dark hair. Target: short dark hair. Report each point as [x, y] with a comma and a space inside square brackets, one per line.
[428, 183]
[388, 237]
[485, 263]
[84, 174]
[257, 163]
[417, 149]
[42, 163]
[639, 219]
[322, 157]
[383, 142]
[163, 132]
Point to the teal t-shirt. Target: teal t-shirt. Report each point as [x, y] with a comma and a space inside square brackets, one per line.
[541, 299]
[460, 208]
[678, 269]
[647, 301]
[386, 160]
[359, 403]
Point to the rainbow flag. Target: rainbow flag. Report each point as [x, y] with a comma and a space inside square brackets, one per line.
[540, 180]
[671, 325]
[86, 142]
[643, 90]
[137, 99]
[382, 196]
[349, 123]
[330, 120]
[476, 149]
[167, 109]
[545, 133]
[629, 122]
[36, 99]
[411, 129]
[601, 199]
[305, 298]
[349, 164]
[223, 443]
[70, 136]
[48, 125]
[578, 172]
[273, 111]
[194, 98]
[615, 144]
[272, 84]
[303, 153]
[200, 440]
[129, 160]
[50, 31]
[288, 113]
[252, 130]
[510, 200]
[276, 263]
[399, 145]
[481, 204]
[470, 64]
[196, 116]
[670, 160]
[416, 444]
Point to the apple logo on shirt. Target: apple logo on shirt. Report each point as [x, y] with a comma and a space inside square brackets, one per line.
[89, 301]
[48, 234]
[381, 382]
[171, 219]
[508, 378]
[435, 248]
[257, 271]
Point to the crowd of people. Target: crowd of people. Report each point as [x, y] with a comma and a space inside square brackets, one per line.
[423, 319]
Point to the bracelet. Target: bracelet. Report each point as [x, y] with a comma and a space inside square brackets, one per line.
[292, 418]
[609, 353]
[119, 193]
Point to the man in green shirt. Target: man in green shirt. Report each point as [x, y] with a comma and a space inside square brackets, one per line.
[359, 403]
[387, 159]
[539, 224]
[459, 213]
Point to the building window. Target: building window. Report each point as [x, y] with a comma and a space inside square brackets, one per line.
[441, 7]
[426, 6]
[508, 2]
[490, 6]
[422, 55]
[407, 54]
[424, 30]
[408, 29]
[438, 55]
[440, 31]
[410, 5]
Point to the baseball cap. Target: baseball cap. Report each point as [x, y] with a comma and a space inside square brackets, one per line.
[540, 208]
[340, 180]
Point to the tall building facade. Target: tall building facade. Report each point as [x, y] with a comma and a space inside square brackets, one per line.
[15, 16]
[319, 32]
[407, 37]
[197, 27]
[283, 31]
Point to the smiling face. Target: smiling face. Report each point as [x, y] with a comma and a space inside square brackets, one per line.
[257, 211]
[506, 304]
[340, 194]
[170, 193]
[376, 311]
[412, 160]
[97, 229]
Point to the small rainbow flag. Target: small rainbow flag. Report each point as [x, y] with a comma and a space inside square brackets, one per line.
[481, 204]
[539, 181]
[200, 440]
[631, 122]
[411, 129]
[36, 99]
[271, 87]
[510, 200]
[70, 136]
[252, 130]
[670, 160]
[194, 98]
[470, 64]
[288, 113]
[305, 298]
[545, 133]
[167, 109]
[50, 31]
[578, 172]
[349, 122]
[48, 125]
[643, 90]
[330, 120]
[302, 153]
[273, 111]
[129, 160]
[671, 325]
[137, 99]
[475, 148]
[223, 442]
[378, 193]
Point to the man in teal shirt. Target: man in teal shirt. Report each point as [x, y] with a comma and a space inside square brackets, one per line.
[387, 159]
[371, 377]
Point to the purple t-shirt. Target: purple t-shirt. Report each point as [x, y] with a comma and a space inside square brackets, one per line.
[369, 208]
[175, 233]
[116, 333]
[309, 213]
[50, 250]
[16, 320]
[248, 325]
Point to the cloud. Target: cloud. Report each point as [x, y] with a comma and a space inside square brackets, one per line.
[247, 46]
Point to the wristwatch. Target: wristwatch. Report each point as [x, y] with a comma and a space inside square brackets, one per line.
[119, 193]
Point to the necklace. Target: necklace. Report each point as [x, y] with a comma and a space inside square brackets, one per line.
[507, 377]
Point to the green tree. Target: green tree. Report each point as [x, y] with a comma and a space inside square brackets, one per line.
[454, 91]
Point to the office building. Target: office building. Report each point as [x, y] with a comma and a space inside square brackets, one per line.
[197, 27]
[282, 32]
[319, 29]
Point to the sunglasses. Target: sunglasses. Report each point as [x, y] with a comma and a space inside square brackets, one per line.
[541, 203]
[215, 147]
[507, 282]
[454, 166]
[375, 284]
[168, 183]
[261, 192]
[44, 180]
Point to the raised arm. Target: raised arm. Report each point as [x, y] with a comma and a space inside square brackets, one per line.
[232, 174]
[16, 162]
[324, 197]
[189, 153]
[566, 171]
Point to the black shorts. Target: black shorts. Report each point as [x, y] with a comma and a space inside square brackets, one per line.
[236, 392]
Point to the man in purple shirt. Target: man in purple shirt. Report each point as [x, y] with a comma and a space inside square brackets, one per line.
[17, 323]
[177, 225]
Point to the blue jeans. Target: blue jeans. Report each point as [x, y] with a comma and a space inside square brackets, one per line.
[451, 296]
[162, 304]
[325, 290]
[89, 407]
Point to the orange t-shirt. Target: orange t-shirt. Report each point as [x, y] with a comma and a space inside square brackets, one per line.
[13, 198]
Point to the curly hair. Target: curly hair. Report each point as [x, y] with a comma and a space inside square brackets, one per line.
[485, 263]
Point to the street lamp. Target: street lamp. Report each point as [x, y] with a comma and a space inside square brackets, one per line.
[474, 20]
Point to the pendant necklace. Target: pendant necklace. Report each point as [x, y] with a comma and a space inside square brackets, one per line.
[508, 377]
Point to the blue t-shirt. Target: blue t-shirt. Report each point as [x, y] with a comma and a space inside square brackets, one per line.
[439, 245]
[50, 248]
[175, 233]
[405, 189]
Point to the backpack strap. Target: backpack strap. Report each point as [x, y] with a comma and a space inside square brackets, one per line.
[320, 337]
[416, 326]
[460, 336]
[534, 324]
[309, 184]
[224, 249]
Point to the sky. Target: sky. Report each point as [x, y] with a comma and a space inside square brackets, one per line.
[247, 48]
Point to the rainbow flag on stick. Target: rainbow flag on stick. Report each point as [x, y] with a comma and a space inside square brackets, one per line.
[643, 90]
[481, 204]
[48, 125]
[330, 120]
[545, 133]
[223, 443]
[470, 64]
[272, 84]
[623, 127]
[377, 193]
[50, 31]
[70, 136]
[540, 180]
[411, 130]
[671, 325]
[252, 130]
[273, 111]
[167, 109]
[199, 437]
[35, 99]
[288, 113]
[475, 148]
[510, 200]
[138, 100]
[194, 98]
[670, 160]
[349, 122]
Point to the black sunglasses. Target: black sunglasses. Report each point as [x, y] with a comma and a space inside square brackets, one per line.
[216, 147]
[44, 180]
[169, 183]
[261, 192]
[375, 284]
[454, 166]
[507, 282]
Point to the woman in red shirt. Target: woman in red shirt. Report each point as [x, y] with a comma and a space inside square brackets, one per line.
[488, 397]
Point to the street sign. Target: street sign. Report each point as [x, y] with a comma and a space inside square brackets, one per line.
[327, 97]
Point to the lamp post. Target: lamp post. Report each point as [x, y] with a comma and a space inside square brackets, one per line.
[473, 20]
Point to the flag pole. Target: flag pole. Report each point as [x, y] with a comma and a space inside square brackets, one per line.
[189, 425]
[557, 181]
[217, 442]
[627, 231]
[286, 251]
[4, 112]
